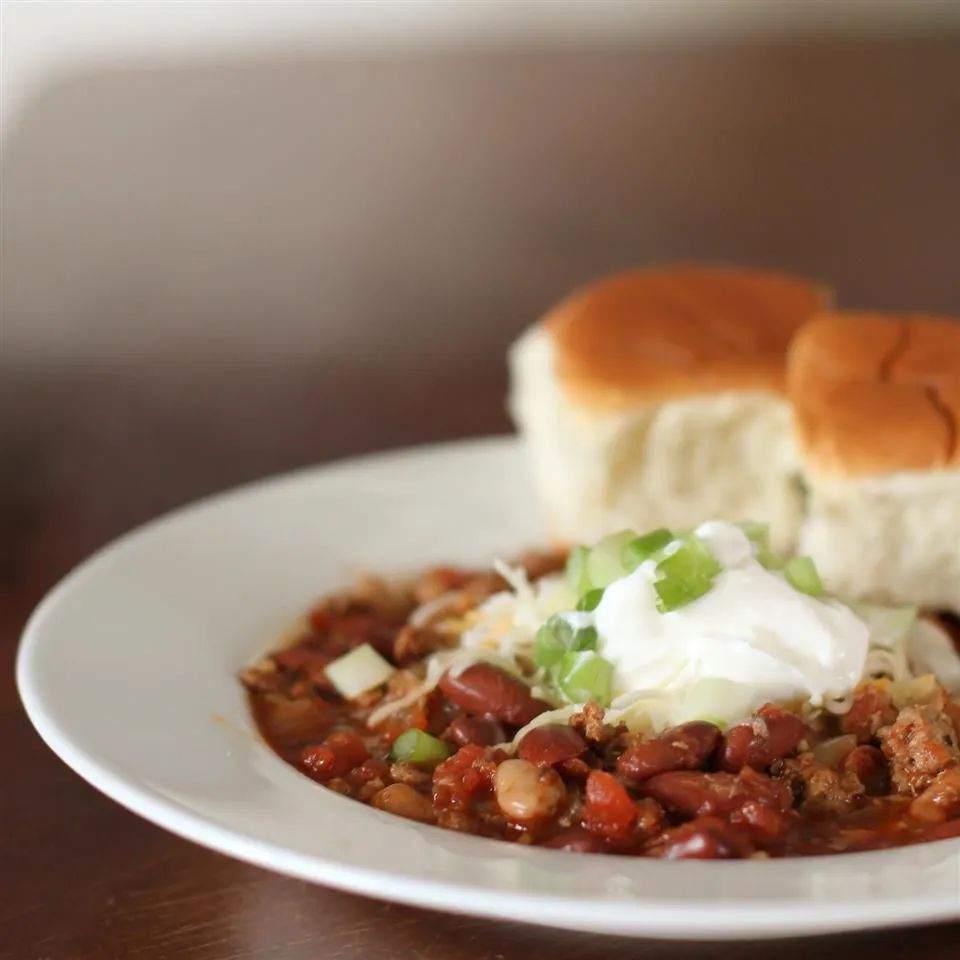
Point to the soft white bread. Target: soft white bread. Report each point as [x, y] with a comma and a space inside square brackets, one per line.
[655, 398]
[877, 402]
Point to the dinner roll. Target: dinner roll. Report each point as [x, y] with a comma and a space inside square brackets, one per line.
[656, 398]
[877, 402]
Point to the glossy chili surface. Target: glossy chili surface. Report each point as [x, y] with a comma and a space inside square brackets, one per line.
[886, 773]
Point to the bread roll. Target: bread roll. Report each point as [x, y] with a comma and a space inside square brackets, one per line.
[656, 398]
[877, 402]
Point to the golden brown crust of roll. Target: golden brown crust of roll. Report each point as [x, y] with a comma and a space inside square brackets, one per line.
[679, 330]
[876, 393]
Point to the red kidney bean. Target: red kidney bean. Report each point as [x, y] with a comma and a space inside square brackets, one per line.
[576, 841]
[368, 771]
[692, 794]
[687, 747]
[302, 658]
[307, 663]
[770, 735]
[337, 755]
[706, 838]
[482, 730]
[551, 744]
[870, 766]
[354, 629]
[765, 823]
[483, 689]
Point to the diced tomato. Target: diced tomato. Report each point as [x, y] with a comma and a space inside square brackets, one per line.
[609, 810]
[466, 776]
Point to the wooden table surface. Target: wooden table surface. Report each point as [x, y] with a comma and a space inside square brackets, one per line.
[90, 449]
[84, 879]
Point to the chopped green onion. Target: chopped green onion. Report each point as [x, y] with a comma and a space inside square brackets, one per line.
[358, 671]
[676, 593]
[584, 639]
[685, 575]
[585, 676]
[577, 570]
[643, 548]
[552, 642]
[759, 536]
[757, 533]
[416, 746]
[768, 559]
[590, 600]
[801, 574]
[604, 563]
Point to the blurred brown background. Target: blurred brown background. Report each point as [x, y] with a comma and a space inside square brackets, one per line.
[216, 270]
[233, 255]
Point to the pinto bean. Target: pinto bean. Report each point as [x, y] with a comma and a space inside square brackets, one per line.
[482, 730]
[525, 792]
[869, 765]
[770, 735]
[551, 744]
[485, 690]
[706, 838]
[686, 747]
[401, 799]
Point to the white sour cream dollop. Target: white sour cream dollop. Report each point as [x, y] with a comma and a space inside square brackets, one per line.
[751, 639]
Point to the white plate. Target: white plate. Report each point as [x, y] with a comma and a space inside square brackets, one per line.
[128, 670]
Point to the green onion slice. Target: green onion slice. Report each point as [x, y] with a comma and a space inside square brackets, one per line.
[577, 570]
[643, 548]
[759, 536]
[801, 574]
[768, 559]
[552, 642]
[757, 533]
[584, 639]
[604, 562]
[585, 676]
[417, 746]
[685, 575]
[590, 600]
